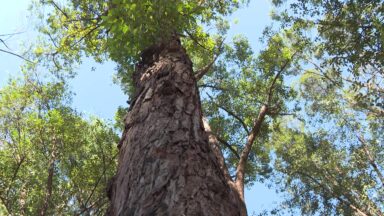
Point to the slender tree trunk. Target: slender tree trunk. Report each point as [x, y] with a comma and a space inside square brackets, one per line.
[166, 166]
[48, 189]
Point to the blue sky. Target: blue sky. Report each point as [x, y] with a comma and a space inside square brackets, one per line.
[95, 93]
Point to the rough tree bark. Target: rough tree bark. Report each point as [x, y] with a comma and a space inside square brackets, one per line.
[166, 166]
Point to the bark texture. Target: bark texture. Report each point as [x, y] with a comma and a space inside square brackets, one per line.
[166, 166]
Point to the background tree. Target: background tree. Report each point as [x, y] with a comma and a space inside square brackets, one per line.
[332, 162]
[52, 160]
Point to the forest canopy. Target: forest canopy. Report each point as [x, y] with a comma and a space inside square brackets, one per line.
[303, 113]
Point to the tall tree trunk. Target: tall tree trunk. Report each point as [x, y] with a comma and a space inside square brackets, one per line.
[166, 166]
[48, 192]
[49, 185]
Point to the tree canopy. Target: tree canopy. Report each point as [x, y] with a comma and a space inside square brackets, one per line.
[52, 159]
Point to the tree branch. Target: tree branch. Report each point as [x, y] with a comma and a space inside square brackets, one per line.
[327, 190]
[321, 72]
[201, 72]
[18, 166]
[213, 143]
[5, 51]
[277, 76]
[84, 36]
[231, 114]
[240, 171]
[371, 159]
[59, 9]
[229, 146]
[11, 34]
[247, 149]
[53, 41]
[195, 40]
[86, 209]
[6, 204]
[375, 111]
[211, 86]
[98, 181]
[236, 117]
[3, 42]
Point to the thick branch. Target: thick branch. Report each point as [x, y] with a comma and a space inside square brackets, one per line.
[247, 149]
[240, 171]
[376, 111]
[48, 192]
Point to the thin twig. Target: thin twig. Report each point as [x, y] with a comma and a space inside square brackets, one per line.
[3, 42]
[201, 72]
[58, 8]
[95, 186]
[5, 51]
[277, 76]
[196, 40]
[11, 34]
[231, 114]
[211, 86]
[84, 36]
[229, 146]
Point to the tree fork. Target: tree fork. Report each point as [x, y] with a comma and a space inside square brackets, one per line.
[166, 166]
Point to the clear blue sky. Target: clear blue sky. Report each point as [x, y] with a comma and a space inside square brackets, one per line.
[95, 92]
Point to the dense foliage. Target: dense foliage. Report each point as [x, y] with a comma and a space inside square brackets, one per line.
[332, 162]
[121, 29]
[240, 84]
[52, 159]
